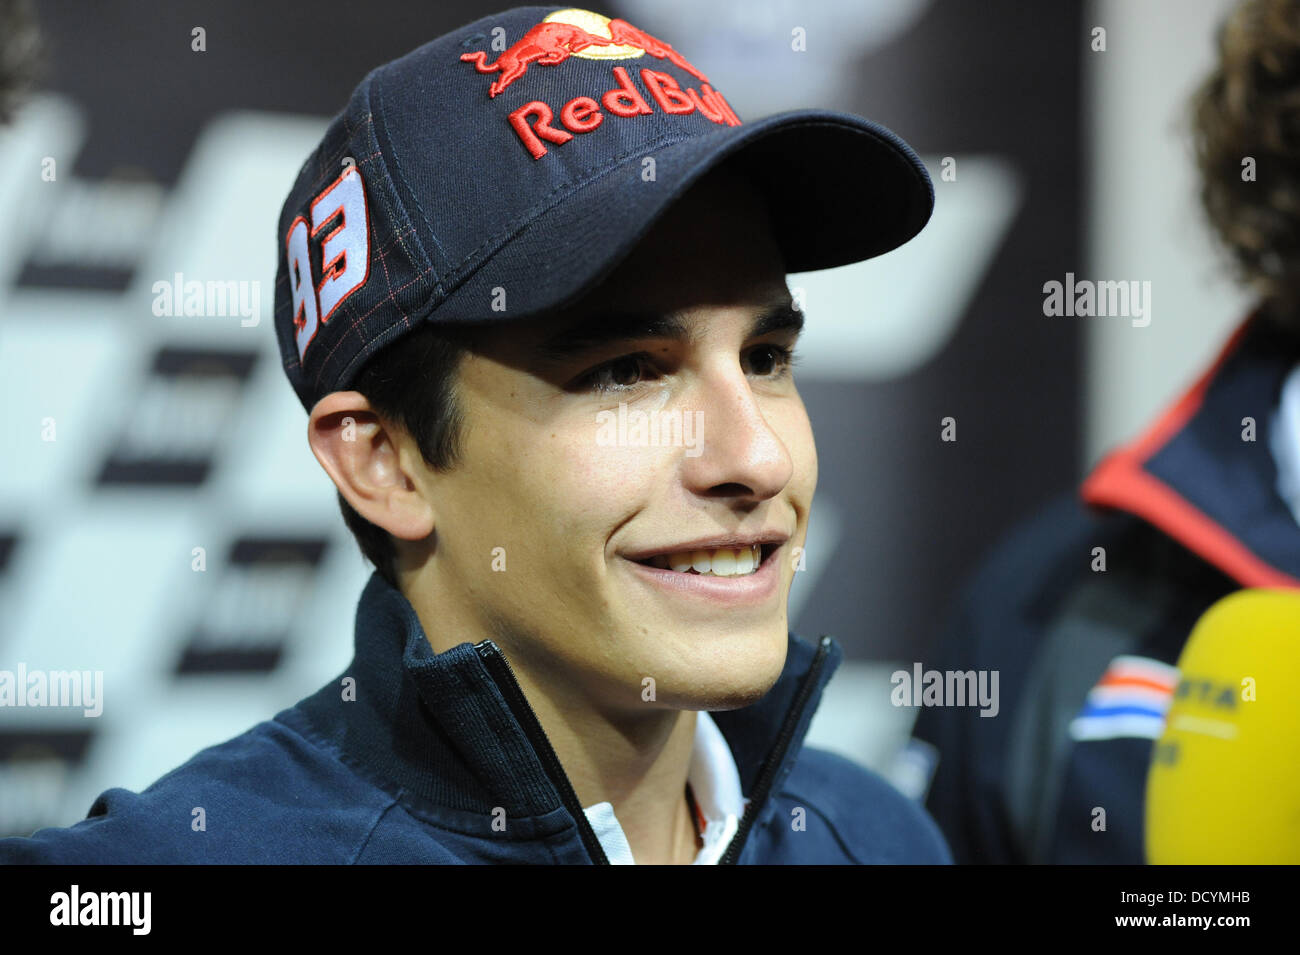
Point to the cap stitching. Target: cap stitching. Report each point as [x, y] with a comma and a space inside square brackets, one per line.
[355, 323]
[401, 173]
[546, 201]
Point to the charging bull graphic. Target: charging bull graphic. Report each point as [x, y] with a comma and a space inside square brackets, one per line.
[562, 35]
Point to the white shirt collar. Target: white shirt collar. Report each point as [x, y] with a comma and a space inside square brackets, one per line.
[715, 784]
[1285, 442]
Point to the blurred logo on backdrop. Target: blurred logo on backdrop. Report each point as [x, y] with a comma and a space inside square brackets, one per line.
[156, 537]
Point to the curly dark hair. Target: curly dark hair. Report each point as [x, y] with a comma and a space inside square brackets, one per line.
[1248, 108]
[20, 53]
[412, 384]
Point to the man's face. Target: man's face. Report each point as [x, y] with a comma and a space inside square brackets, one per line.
[579, 459]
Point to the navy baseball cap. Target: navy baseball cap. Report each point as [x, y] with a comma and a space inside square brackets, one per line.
[502, 170]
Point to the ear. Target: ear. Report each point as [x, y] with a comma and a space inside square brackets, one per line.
[363, 455]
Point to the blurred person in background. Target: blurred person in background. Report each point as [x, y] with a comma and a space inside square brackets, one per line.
[19, 54]
[1085, 609]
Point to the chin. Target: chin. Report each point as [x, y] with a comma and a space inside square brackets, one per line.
[735, 674]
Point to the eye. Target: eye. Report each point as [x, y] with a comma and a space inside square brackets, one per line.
[617, 375]
[773, 361]
[626, 372]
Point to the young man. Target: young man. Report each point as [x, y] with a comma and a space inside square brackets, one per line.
[541, 326]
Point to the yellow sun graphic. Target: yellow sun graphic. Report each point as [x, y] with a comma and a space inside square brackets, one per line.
[596, 25]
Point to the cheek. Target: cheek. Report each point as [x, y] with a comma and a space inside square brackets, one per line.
[811, 465]
[591, 487]
[555, 490]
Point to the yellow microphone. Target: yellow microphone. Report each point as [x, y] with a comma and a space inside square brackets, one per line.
[1223, 786]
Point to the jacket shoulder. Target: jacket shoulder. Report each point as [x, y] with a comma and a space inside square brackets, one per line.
[1037, 563]
[865, 819]
[269, 795]
[1056, 600]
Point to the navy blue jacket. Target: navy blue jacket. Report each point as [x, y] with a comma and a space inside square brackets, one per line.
[412, 768]
[1185, 515]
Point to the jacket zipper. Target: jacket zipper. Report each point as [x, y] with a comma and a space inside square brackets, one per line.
[768, 776]
[499, 668]
[501, 671]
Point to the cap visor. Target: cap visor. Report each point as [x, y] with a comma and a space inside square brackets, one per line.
[839, 189]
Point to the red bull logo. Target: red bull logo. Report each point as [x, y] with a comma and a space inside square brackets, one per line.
[588, 35]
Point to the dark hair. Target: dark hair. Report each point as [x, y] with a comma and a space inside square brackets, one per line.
[1249, 107]
[411, 384]
[20, 54]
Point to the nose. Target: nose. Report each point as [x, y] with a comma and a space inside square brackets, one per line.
[738, 453]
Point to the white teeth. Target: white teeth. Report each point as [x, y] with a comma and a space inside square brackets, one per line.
[721, 562]
[724, 563]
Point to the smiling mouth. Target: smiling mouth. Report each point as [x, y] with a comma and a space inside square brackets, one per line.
[715, 562]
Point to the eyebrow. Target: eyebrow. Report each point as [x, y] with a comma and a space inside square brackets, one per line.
[604, 328]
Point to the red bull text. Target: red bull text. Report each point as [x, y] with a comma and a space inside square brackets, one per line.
[552, 42]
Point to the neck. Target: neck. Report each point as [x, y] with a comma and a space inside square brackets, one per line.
[635, 760]
[638, 764]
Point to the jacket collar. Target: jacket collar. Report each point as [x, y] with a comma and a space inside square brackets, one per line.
[1193, 476]
[438, 725]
